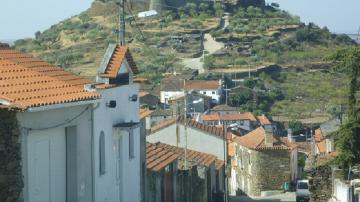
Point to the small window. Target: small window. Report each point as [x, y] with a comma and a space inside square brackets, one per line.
[213, 92]
[249, 158]
[204, 92]
[131, 145]
[102, 153]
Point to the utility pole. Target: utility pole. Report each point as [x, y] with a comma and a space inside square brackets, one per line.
[122, 23]
[185, 124]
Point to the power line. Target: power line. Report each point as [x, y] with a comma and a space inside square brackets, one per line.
[67, 121]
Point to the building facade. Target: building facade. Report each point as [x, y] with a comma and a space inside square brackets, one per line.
[261, 162]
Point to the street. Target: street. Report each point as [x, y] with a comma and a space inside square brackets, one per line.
[286, 197]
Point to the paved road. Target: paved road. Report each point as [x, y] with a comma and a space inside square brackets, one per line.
[287, 197]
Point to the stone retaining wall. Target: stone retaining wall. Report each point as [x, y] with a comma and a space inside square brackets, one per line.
[321, 184]
[11, 179]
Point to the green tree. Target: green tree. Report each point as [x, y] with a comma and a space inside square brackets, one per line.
[191, 8]
[348, 136]
[296, 126]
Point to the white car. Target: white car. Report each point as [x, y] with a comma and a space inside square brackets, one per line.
[302, 191]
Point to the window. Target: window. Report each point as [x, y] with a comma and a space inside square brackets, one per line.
[102, 153]
[204, 92]
[131, 145]
[249, 158]
[213, 92]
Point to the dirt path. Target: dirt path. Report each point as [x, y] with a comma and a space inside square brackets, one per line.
[210, 46]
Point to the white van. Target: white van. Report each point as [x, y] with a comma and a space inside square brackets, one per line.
[302, 191]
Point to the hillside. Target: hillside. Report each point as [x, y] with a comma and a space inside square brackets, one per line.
[246, 37]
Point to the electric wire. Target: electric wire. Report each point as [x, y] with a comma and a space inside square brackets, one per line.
[67, 121]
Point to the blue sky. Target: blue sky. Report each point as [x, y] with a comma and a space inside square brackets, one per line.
[340, 16]
[22, 18]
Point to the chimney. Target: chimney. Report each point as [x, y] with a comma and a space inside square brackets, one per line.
[289, 136]
[269, 138]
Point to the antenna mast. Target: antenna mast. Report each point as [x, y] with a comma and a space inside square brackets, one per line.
[122, 23]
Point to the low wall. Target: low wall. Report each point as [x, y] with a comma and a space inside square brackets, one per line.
[321, 184]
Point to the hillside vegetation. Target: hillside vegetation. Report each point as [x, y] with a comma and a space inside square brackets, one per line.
[252, 36]
[257, 36]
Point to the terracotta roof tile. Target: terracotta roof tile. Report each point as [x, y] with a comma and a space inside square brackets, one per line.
[145, 113]
[191, 123]
[29, 82]
[256, 140]
[219, 164]
[229, 117]
[195, 157]
[143, 93]
[321, 146]
[117, 58]
[318, 135]
[200, 85]
[263, 120]
[158, 157]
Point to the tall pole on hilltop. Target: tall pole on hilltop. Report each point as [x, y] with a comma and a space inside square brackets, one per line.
[122, 23]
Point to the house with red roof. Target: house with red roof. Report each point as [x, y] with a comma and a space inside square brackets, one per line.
[191, 135]
[78, 140]
[118, 138]
[176, 175]
[261, 162]
[46, 130]
[243, 122]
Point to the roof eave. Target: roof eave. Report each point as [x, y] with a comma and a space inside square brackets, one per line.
[63, 105]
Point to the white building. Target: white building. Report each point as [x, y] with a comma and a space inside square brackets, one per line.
[117, 168]
[77, 145]
[149, 13]
[213, 89]
[172, 88]
[54, 114]
[202, 138]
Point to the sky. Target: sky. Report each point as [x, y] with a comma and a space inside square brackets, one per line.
[22, 18]
[340, 16]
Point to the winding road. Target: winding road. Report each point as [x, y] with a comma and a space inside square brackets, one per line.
[210, 47]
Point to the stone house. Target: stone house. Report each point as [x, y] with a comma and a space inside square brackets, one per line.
[261, 162]
[172, 177]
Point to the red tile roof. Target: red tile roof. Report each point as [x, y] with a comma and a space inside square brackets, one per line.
[158, 157]
[117, 58]
[256, 140]
[26, 82]
[229, 117]
[191, 123]
[194, 157]
[321, 146]
[144, 113]
[202, 85]
[263, 120]
[318, 135]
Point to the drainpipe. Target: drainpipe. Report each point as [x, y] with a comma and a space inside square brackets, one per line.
[93, 150]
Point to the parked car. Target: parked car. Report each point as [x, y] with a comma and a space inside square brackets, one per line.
[302, 191]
